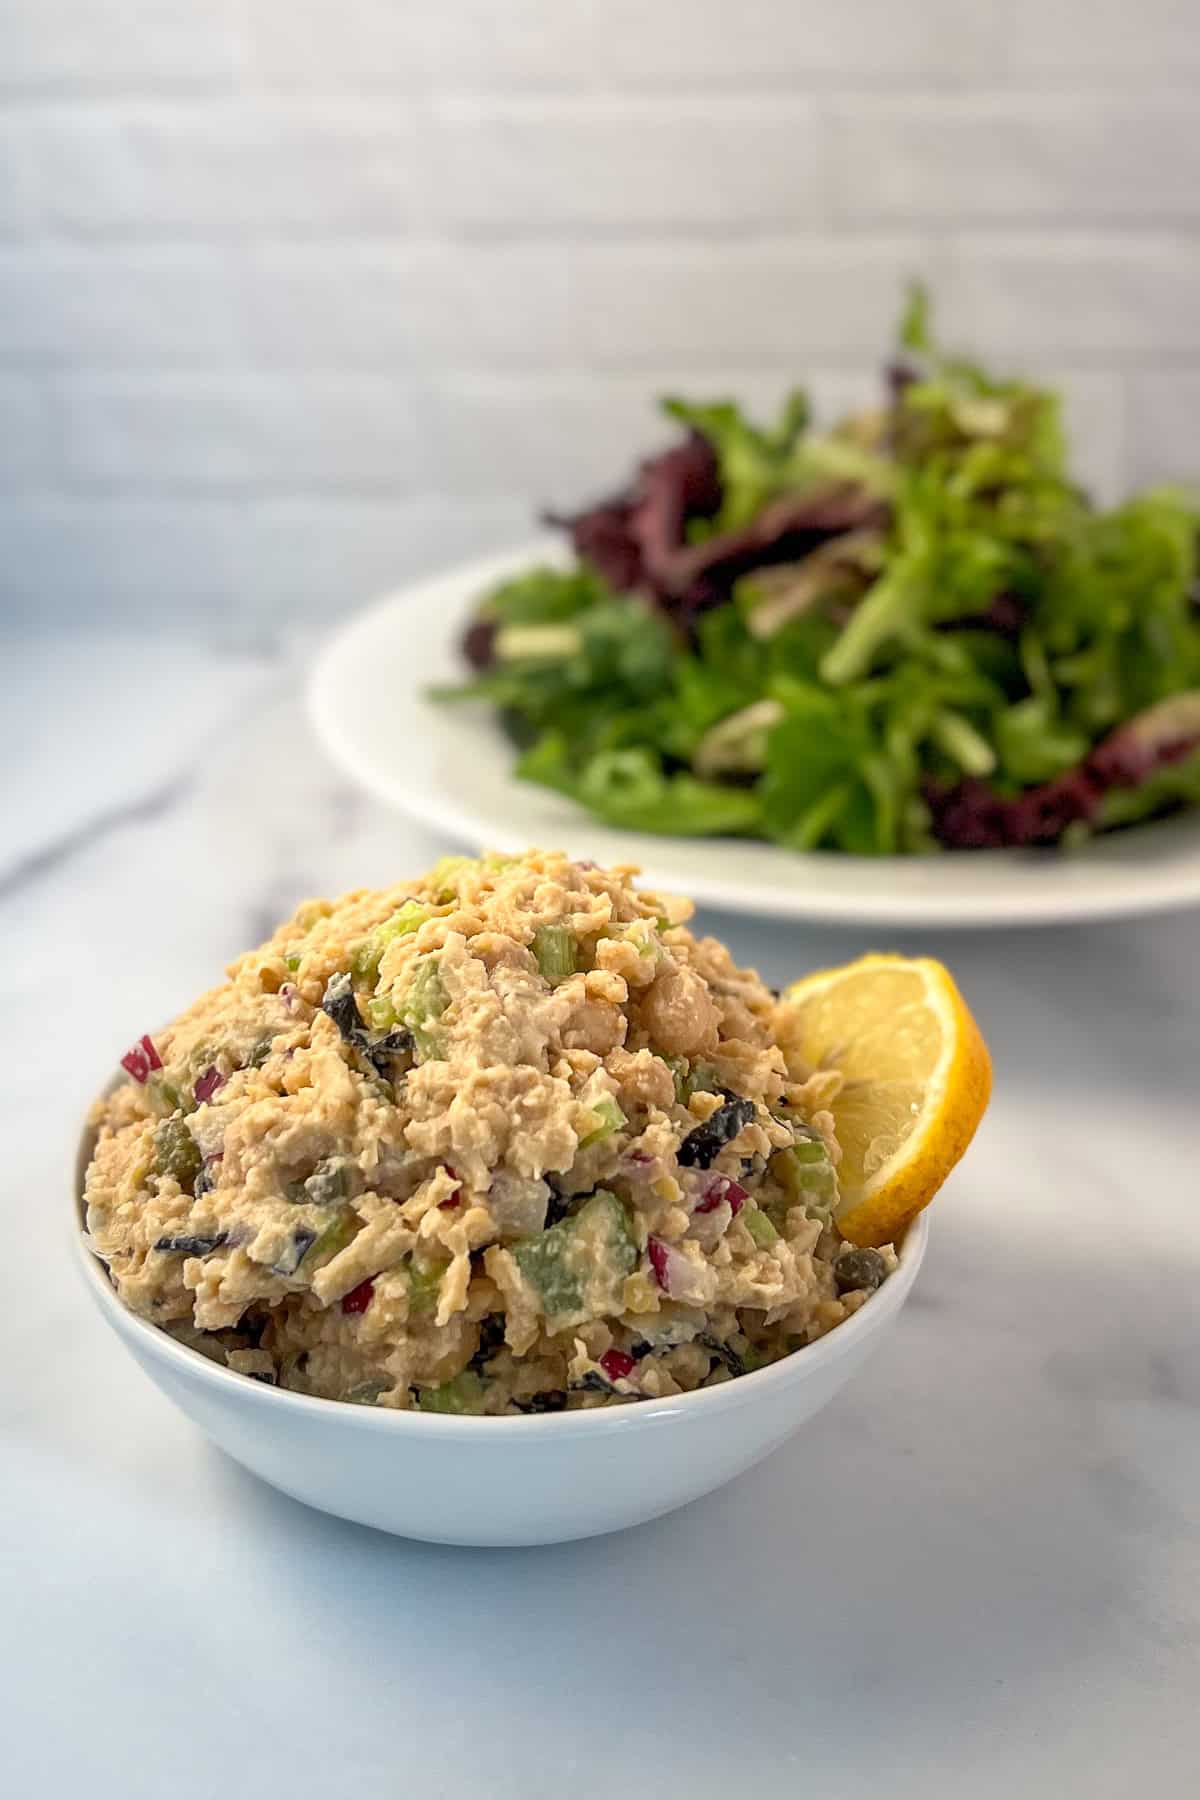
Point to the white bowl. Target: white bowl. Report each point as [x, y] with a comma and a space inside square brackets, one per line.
[534, 1480]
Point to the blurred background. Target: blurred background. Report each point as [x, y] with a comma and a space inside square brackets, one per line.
[301, 297]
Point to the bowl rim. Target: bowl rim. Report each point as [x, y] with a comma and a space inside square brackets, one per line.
[875, 1313]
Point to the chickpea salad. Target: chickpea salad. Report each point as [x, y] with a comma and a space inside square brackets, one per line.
[505, 1139]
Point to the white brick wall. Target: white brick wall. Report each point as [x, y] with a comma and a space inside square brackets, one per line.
[300, 296]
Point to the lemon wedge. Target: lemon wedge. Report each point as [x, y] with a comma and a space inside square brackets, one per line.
[916, 1078]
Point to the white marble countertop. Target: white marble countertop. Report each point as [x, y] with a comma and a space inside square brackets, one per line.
[977, 1573]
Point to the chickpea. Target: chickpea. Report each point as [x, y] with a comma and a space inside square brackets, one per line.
[677, 1012]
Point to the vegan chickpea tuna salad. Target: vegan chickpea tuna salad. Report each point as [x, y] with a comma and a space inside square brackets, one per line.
[511, 1139]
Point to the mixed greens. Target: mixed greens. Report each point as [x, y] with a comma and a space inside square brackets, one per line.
[911, 631]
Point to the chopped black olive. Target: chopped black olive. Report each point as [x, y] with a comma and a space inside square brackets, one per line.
[558, 1206]
[339, 1002]
[858, 1269]
[376, 1047]
[262, 1375]
[723, 1353]
[325, 1185]
[594, 1382]
[701, 1147]
[294, 1254]
[553, 1400]
[205, 1181]
[192, 1246]
[491, 1338]
[380, 1050]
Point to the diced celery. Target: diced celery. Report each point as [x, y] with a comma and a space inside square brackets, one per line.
[368, 955]
[407, 918]
[381, 1013]
[703, 1079]
[680, 1069]
[337, 1234]
[594, 1249]
[556, 951]
[642, 935]
[464, 1394]
[423, 1286]
[759, 1227]
[692, 1078]
[367, 1392]
[806, 1174]
[166, 1098]
[423, 1004]
[543, 1261]
[364, 961]
[611, 1119]
[293, 961]
[445, 874]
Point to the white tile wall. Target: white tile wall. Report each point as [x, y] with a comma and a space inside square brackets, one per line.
[299, 296]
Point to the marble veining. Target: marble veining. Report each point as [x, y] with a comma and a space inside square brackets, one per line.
[976, 1575]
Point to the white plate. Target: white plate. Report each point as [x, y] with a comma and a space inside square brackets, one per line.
[450, 767]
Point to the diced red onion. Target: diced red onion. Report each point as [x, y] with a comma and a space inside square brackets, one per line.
[209, 1082]
[617, 1364]
[359, 1298]
[642, 1166]
[718, 1188]
[290, 995]
[661, 1256]
[141, 1059]
[453, 1199]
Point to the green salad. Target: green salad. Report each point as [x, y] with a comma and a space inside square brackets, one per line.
[912, 631]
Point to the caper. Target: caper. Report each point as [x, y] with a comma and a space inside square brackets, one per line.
[177, 1153]
[856, 1269]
